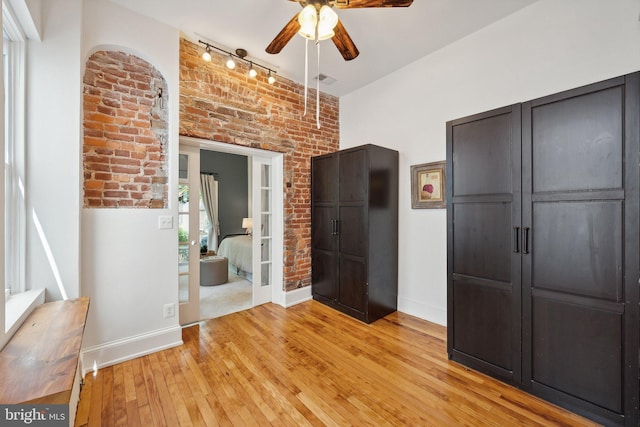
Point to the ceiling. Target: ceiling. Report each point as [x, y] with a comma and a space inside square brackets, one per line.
[387, 38]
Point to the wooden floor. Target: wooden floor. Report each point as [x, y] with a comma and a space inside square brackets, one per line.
[307, 366]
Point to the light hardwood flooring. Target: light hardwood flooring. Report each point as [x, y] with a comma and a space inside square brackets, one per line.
[307, 366]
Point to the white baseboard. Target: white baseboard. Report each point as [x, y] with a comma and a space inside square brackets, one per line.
[423, 311]
[297, 296]
[129, 348]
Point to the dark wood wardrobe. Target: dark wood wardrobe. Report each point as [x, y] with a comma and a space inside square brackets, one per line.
[354, 231]
[543, 247]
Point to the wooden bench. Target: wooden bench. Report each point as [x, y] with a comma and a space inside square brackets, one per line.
[39, 364]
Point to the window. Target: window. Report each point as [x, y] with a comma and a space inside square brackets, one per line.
[204, 227]
[13, 61]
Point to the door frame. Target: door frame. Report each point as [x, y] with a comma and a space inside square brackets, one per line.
[277, 288]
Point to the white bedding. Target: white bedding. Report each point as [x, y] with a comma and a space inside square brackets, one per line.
[237, 249]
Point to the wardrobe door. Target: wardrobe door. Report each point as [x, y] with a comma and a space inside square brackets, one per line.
[324, 214]
[580, 207]
[352, 229]
[483, 240]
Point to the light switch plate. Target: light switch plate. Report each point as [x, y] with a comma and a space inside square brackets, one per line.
[165, 222]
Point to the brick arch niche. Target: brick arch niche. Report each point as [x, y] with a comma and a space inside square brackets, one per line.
[125, 132]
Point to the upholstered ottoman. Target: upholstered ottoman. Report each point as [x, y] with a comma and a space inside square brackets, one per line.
[214, 270]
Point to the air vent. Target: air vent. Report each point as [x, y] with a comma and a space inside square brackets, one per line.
[324, 79]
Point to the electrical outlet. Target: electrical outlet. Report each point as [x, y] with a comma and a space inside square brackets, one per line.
[165, 222]
[169, 310]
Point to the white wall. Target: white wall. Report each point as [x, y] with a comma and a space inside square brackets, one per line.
[550, 46]
[3, 336]
[53, 151]
[129, 266]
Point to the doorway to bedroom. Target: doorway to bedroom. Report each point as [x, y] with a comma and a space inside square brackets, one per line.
[230, 228]
[225, 196]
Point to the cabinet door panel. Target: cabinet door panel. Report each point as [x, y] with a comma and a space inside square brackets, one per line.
[322, 219]
[482, 317]
[587, 238]
[324, 187]
[581, 135]
[482, 240]
[353, 285]
[482, 156]
[323, 274]
[352, 229]
[353, 176]
[578, 349]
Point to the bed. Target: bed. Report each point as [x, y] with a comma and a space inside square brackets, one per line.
[237, 249]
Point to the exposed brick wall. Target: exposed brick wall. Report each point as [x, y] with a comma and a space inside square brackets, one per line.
[125, 131]
[228, 106]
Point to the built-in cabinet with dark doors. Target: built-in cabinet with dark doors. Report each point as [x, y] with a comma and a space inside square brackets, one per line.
[354, 231]
[543, 247]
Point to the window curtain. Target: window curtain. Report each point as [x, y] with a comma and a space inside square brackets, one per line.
[209, 189]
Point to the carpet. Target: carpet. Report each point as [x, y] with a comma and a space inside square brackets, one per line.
[233, 296]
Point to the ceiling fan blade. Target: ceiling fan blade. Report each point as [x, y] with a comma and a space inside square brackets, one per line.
[284, 36]
[344, 43]
[353, 4]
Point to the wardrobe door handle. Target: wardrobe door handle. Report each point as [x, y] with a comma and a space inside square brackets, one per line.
[526, 240]
[333, 227]
[516, 240]
[337, 226]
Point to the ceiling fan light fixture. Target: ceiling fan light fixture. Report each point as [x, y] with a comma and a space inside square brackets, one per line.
[327, 22]
[308, 20]
[325, 33]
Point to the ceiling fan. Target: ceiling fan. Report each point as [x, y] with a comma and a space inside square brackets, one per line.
[318, 21]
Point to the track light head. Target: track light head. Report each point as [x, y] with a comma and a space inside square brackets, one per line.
[207, 54]
[231, 64]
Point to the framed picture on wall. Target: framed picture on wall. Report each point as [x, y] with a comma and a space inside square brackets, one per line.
[428, 186]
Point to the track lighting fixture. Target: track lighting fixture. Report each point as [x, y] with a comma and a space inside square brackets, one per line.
[231, 61]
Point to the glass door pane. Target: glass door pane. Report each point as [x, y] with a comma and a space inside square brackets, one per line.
[265, 229]
[183, 242]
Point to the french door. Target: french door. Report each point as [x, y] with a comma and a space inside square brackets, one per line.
[189, 234]
[263, 228]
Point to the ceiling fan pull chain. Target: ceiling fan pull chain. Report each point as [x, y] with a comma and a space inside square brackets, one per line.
[318, 87]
